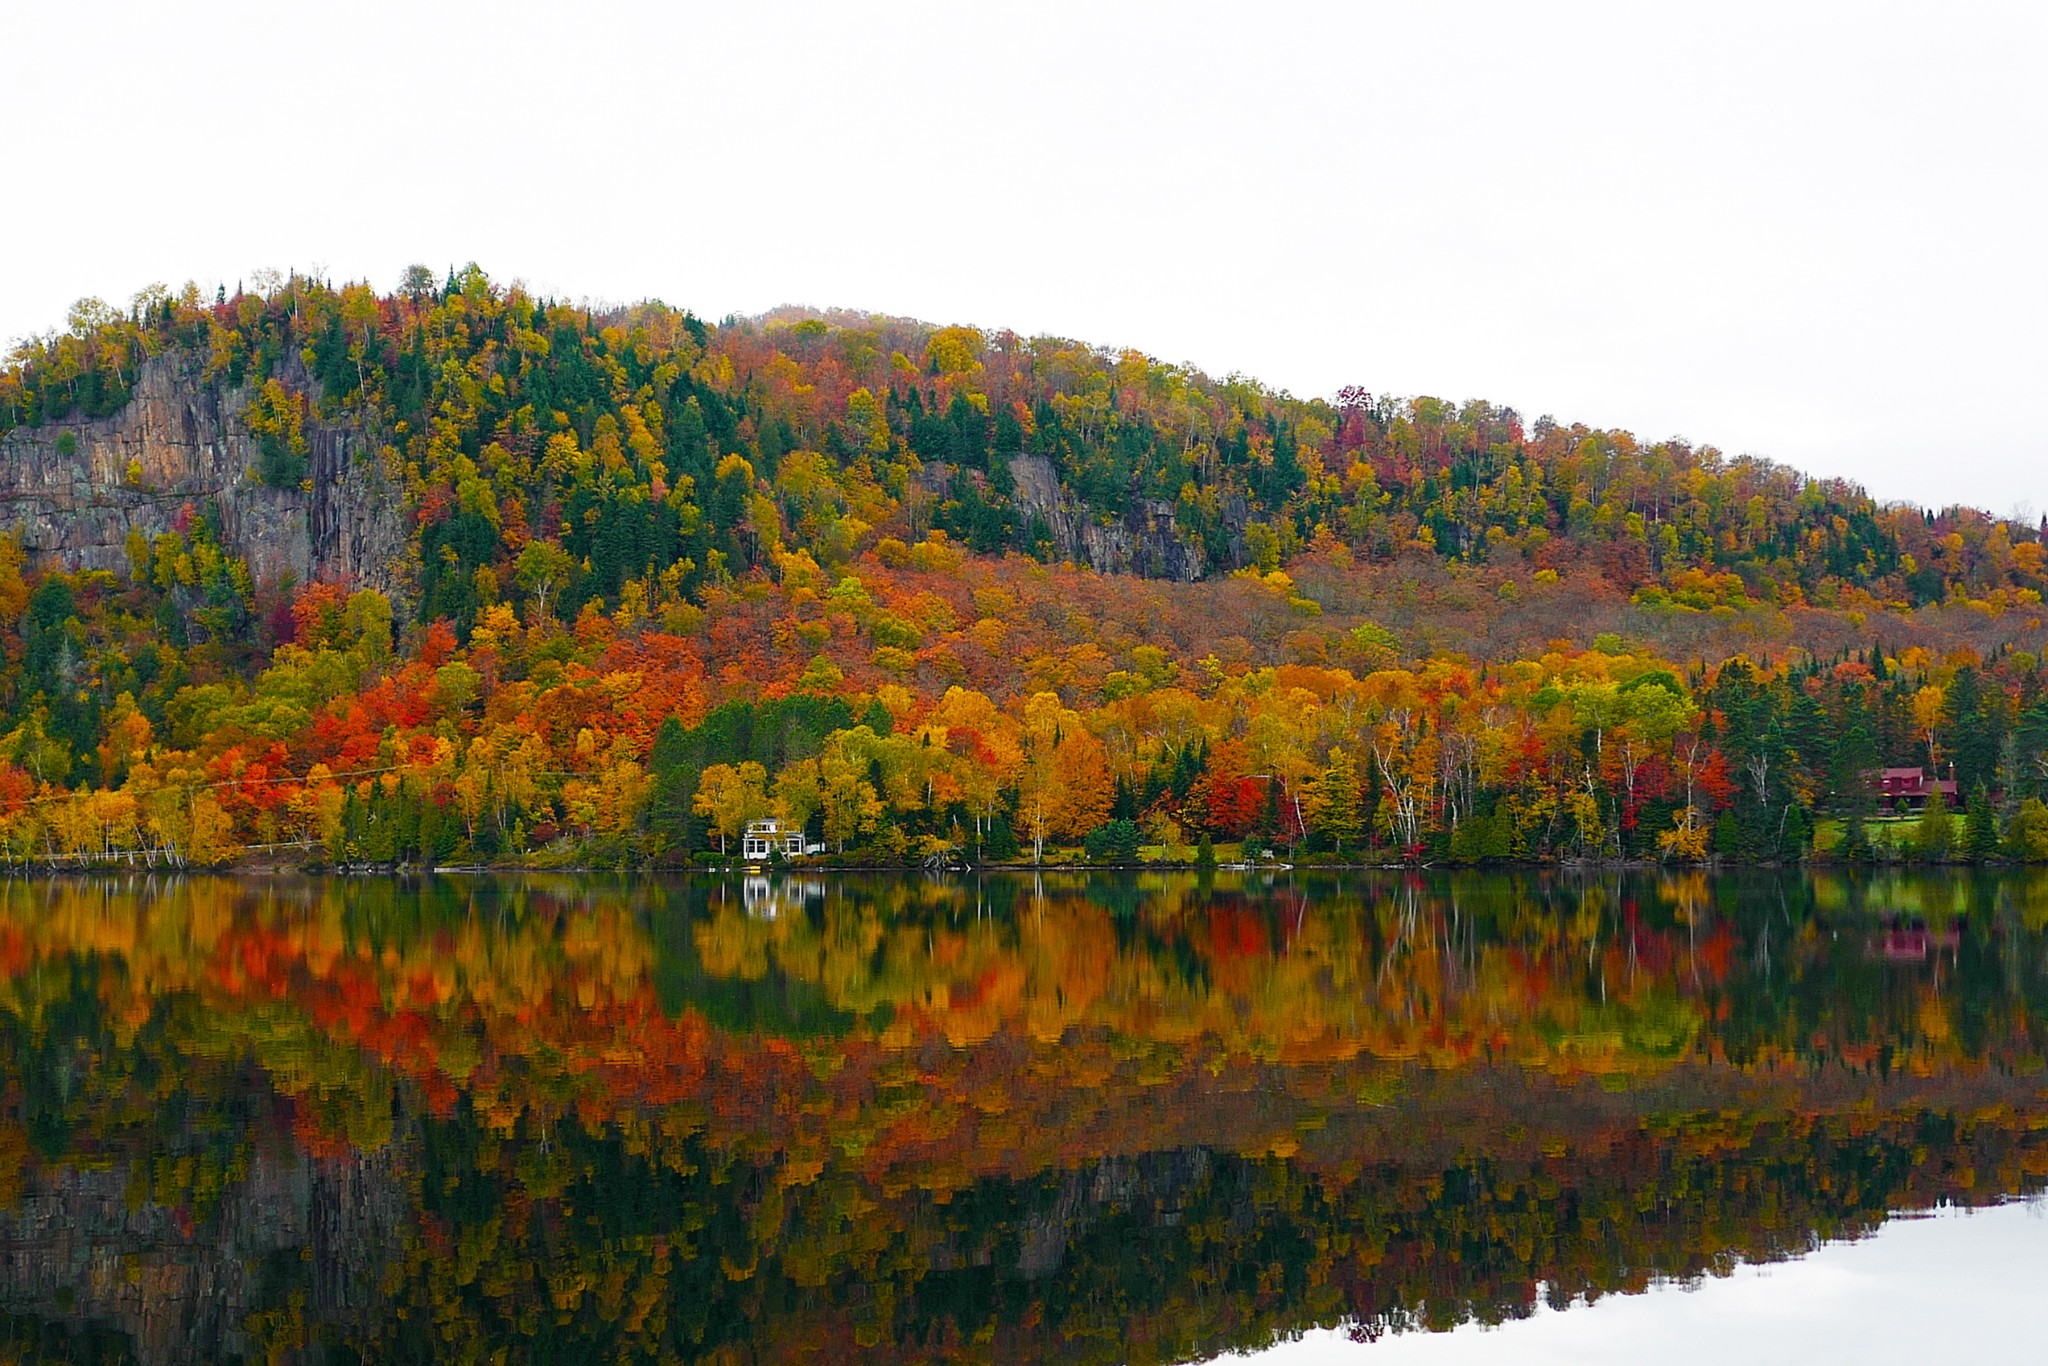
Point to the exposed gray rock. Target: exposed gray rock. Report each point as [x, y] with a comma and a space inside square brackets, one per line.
[1147, 542]
[180, 441]
[79, 1249]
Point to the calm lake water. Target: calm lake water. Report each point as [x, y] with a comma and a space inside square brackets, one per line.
[1007, 1119]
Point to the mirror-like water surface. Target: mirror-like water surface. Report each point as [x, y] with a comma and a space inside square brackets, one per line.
[1005, 1119]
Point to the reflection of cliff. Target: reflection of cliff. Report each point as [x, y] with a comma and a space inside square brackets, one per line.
[1176, 1252]
[1002, 1122]
[616, 1243]
[74, 490]
[293, 1240]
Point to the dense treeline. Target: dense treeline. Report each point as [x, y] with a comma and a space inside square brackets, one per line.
[668, 578]
[606, 741]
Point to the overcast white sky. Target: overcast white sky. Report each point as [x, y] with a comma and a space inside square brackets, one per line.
[1807, 231]
[1960, 1287]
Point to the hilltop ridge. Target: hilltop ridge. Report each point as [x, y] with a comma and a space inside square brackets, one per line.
[1040, 446]
[320, 528]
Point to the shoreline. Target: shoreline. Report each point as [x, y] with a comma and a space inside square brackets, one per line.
[270, 868]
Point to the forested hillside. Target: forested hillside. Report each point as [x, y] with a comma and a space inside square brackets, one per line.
[939, 593]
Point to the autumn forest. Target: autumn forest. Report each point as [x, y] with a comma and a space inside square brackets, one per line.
[945, 596]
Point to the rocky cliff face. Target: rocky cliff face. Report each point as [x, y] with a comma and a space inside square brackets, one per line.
[1148, 543]
[80, 1250]
[73, 490]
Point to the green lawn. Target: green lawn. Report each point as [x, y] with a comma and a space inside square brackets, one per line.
[1828, 833]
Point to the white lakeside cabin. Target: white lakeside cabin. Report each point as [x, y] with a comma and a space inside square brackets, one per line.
[764, 838]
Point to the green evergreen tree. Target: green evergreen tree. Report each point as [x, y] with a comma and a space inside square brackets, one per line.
[1727, 836]
[2030, 746]
[1855, 758]
[1124, 806]
[675, 787]
[1000, 844]
[1855, 846]
[1974, 719]
[1795, 835]
[1934, 839]
[1114, 841]
[1980, 827]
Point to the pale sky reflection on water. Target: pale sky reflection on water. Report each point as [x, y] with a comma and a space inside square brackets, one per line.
[1958, 1286]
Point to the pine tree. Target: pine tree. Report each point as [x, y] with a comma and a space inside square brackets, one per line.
[669, 806]
[1727, 836]
[1855, 846]
[1974, 720]
[1935, 837]
[1980, 827]
[1124, 806]
[1000, 843]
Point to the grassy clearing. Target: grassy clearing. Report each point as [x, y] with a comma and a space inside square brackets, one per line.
[1898, 830]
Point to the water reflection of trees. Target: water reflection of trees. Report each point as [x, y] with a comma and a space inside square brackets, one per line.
[965, 1117]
